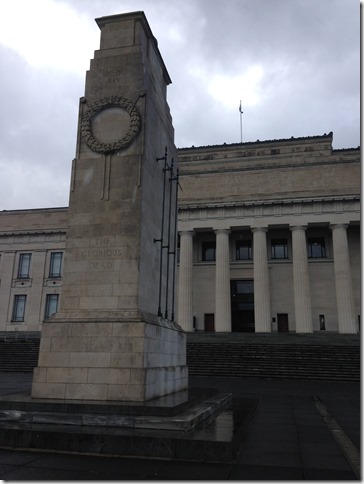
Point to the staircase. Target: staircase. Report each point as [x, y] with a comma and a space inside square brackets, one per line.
[19, 354]
[250, 355]
[274, 356]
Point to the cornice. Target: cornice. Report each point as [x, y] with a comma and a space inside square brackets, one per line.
[250, 203]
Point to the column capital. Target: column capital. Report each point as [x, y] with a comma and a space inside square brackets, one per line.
[222, 231]
[189, 233]
[292, 228]
[259, 229]
[338, 226]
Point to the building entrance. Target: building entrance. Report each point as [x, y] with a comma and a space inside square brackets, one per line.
[242, 306]
[282, 320]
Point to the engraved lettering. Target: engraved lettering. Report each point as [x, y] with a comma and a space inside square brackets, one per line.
[100, 253]
[113, 71]
[99, 265]
[103, 241]
[113, 80]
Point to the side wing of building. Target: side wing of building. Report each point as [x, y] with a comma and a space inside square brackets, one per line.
[31, 258]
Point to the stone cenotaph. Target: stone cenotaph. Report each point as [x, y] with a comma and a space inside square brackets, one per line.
[109, 340]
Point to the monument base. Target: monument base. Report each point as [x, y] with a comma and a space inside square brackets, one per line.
[195, 425]
[132, 360]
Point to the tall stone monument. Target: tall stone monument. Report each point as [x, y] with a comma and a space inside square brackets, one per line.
[110, 339]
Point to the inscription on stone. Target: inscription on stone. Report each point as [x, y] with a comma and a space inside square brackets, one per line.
[112, 253]
[101, 253]
[113, 76]
[99, 265]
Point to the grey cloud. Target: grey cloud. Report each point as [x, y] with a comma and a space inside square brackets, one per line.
[309, 51]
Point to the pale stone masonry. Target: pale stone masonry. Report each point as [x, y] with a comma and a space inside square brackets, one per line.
[106, 341]
[292, 211]
[343, 279]
[222, 286]
[301, 282]
[185, 296]
[263, 314]
[317, 199]
[269, 238]
[39, 233]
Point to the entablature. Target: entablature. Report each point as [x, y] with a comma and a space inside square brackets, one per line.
[345, 209]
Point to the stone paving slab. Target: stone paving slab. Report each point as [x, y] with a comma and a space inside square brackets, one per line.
[299, 447]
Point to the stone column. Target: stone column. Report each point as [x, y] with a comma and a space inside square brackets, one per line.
[185, 314]
[222, 288]
[343, 284]
[262, 307]
[301, 282]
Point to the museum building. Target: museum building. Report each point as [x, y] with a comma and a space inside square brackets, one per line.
[269, 241]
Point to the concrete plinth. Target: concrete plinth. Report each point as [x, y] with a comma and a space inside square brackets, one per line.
[194, 425]
[97, 360]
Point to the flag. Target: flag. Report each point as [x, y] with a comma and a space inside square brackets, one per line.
[240, 108]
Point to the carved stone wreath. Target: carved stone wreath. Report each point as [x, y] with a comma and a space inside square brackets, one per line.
[101, 105]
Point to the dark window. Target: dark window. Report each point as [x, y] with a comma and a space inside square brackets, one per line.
[242, 291]
[51, 305]
[243, 249]
[24, 266]
[19, 308]
[279, 249]
[316, 247]
[55, 265]
[208, 251]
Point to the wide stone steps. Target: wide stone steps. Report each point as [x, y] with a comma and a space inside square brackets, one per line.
[293, 357]
[250, 356]
[19, 355]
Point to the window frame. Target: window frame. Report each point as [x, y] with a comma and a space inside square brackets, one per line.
[48, 303]
[248, 246]
[52, 273]
[316, 241]
[19, 316]
[26, 256]
[283, 242]
[207, 245]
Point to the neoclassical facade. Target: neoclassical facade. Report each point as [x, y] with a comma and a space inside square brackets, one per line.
[32, 246]
[270, 237]
[269, 241]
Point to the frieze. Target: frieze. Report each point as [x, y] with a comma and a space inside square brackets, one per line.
[294, 207]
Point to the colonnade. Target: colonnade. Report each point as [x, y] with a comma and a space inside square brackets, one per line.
[262, 301]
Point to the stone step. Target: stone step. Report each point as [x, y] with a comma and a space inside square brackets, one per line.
[275, 357]
[247, 355]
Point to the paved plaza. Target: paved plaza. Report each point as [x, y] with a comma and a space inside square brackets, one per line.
[301, 430]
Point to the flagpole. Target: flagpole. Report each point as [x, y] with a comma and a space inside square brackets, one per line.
[241, 123]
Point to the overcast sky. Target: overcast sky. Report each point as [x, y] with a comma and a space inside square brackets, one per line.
[294, 64]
